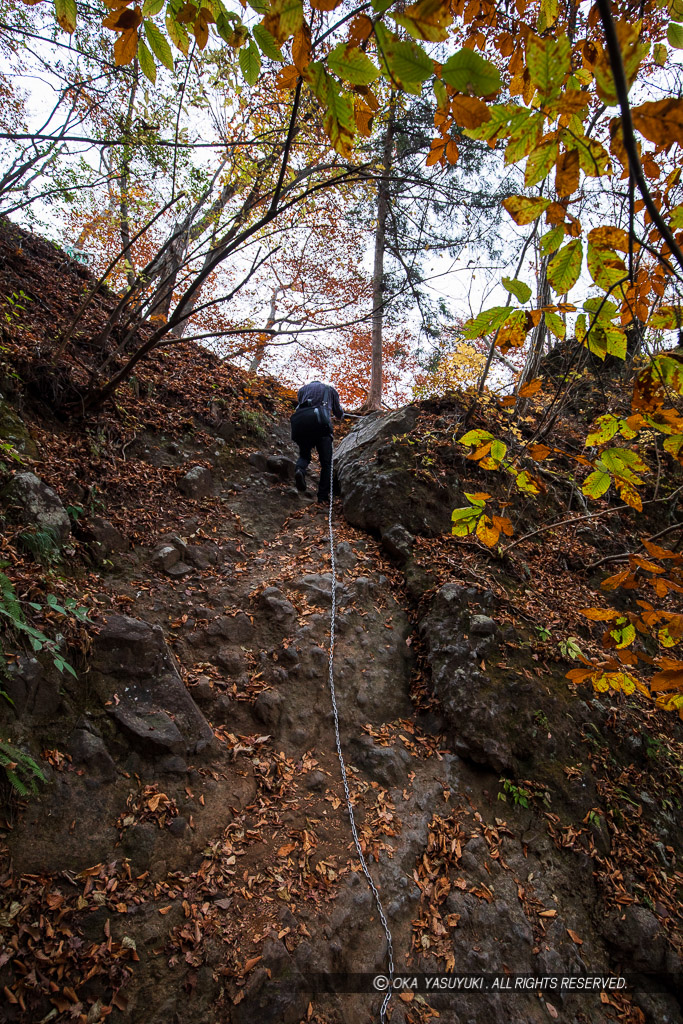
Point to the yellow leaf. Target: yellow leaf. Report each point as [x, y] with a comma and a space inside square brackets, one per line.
[487, 532]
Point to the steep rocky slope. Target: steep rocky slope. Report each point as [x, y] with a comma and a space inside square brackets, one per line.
[189, 858]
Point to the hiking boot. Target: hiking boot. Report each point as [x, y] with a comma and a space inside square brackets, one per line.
[300, 480]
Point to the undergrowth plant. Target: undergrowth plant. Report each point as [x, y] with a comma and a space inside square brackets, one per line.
[22, 771]
[11, 610]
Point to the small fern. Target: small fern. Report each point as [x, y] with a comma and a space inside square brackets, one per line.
[22, 772]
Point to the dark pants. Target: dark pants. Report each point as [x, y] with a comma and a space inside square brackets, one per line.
[323, 445]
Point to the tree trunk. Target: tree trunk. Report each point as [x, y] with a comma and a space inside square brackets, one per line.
[124, 180]
[373, 402]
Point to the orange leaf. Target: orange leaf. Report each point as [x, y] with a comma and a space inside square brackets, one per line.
[125, 48]
[574, 937]
[661, 121]
[567, 173]
[287, 77]
[531, 388]
[469, 111]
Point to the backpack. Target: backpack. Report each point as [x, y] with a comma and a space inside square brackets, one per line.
[312, 419]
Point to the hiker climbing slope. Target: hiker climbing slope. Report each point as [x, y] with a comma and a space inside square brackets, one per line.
[312, 428]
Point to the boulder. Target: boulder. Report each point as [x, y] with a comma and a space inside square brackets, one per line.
[134, 674]
[39, 506]
[197, 482]
[107, 538]
[164, 558]
[379, 484]
[281, 466]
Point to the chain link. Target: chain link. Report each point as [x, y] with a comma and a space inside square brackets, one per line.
[349, 805]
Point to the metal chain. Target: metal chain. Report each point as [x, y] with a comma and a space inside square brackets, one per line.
[349, 805]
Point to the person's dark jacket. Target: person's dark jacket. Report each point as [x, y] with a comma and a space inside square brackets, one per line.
[314, 394]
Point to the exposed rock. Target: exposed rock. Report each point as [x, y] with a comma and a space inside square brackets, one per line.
[379, 484]
[398, 542]
[232, 661]
[638, 935]
[281, 466]
[483, 717]
[275, 992]
[87, 748]
[166, 557]
[268, 708]
[14, 430]
[318, 587]
[345, 555]
[109, 540]
[236, 628]
[39, 506]
[259, 460]
[197, 482]
[32, 691]
[179, 570]
[482, 625]
[134, 674]
[277, 605]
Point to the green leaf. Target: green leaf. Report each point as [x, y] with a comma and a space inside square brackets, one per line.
[476, 437]
[602, 309]
[147, 65]
[498, 450]
[565, 267]
[486, 322]
[605, 429]
[540, 161]
[250, 62]
[549, 64]
[616, 342]
[152, 7]
[676, 216]
[159, 44]
[260, 6]
[605, 266]
[407, 63]
[674, 35]
[667, 318]
[65, 11]
[555, 325]
[468, 72]
[552, 240]
[266, 42]
[624, 463]
[595, 484]
[352, 65]
[520, 290]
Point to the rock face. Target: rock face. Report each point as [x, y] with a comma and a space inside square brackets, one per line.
[484, 718]
[134, 674]
[379, 483]
[197, 482]
[39, 506]
[32, 691]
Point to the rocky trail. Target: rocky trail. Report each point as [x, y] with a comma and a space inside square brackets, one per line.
[191, 859]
